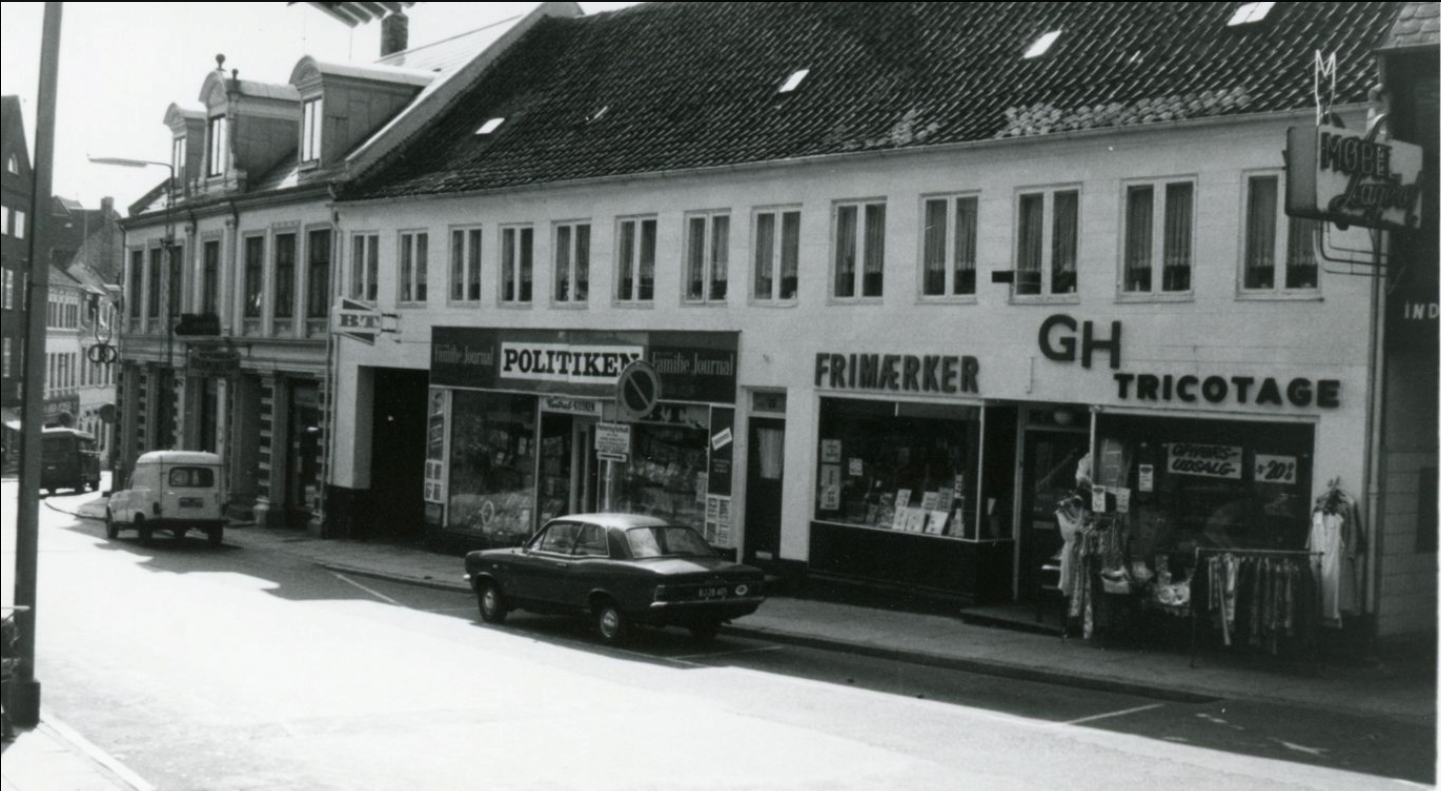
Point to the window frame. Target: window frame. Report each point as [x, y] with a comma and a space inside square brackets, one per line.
[858, 293]
[312, 126]
[412, 267]
[278, 278]
[252, 280]
[217, 142]
[19, 230]
[1160, 203]
[363, 274]
[466, 260]
[154, 271]
[949, 294]
[520, 266]
[708, 219]
[1281, 228]
[210, 275]
[635, 264]
[1047, 284]
[327, 266]
[571, 249]
[778, 255]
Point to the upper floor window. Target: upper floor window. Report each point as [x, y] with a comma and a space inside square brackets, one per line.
[1275, 242]
[635, 264]
[210, 276]
[364, 266]
[5, 357]
[254, 276]
[284, 292]
[317, 273]
[7, 289]
[465, 248]
[860, 249]
[1158, 262]
[572, 262]
[152, 279]
[707, 256]
[310, 131]
[517, 250]
[173, 284]
[12, 164]
[948, 246]
[777, 254]
[218, 141]
[19, 231]
[7, 220]
[177, 156]
[1046, 252]
[414, 259]
[137, 281]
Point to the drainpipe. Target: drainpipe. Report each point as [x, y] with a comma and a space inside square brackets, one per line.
[1375, 442]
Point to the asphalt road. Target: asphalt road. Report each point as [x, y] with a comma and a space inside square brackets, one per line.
[243, 669]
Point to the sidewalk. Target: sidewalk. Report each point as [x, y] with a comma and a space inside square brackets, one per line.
[51, 757]
[1402, 690]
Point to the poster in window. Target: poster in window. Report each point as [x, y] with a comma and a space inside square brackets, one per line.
[1123, 500]
[1275, 469]
[936, 522]
[723, 522]
[1147, 478]
[831, 451]
[930, 501]
[858, 468]
[830, 487]
[1208, 461]
[915, 520]
[712, 517]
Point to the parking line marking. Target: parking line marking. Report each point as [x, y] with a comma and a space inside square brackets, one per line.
[376, 594]
[732, 653]
[1109, 715]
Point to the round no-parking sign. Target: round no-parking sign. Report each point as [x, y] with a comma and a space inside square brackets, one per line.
[637, 390]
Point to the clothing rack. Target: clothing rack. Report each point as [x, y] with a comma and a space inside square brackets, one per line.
[1196, 606]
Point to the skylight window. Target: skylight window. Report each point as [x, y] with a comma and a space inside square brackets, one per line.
[1043, 44]
[490, 126]
[794, 81]
[598, 114]
[1250, 13]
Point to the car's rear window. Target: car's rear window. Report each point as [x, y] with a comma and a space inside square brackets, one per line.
[56, 448]
[655, 542]
[192, 477]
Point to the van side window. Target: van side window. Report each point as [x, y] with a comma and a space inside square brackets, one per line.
[192, 477]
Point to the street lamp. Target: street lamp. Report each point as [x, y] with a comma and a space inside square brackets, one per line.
[167, 247]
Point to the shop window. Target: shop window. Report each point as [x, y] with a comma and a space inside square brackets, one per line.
[635, 281]
[904, 467]
[1158, 263]
[517, 251]
[666, 476]
[860, 250]
[364, 266]
[1280, 253]
[317, 273]
[414, 263]
[465, 248]
[572, 263]
[492, 465]
[707, 257]
[777, 254]
[284, 275]
[210, 276]
[254, 276]
[1046, 252]
[948, 246]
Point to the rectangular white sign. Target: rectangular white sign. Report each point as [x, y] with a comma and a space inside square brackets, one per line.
[612, 438]
[563, 362]
[1209, 461]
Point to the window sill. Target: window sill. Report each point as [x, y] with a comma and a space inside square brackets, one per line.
[570, 305]
[464, 304]
[955, 299]
[1045, 299]
[516, 305]
[855, 300]
[775, 304]
[411, 305]
[691, 303]
[1136, 296]
[634, 304]
[1279, 296]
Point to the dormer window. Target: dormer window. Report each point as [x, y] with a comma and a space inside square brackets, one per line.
[1250, 13]
[177, 158]
[795, 80]
[12, 164]
[490, 126]
[1043, 44]
[310, 131]
[217, 136]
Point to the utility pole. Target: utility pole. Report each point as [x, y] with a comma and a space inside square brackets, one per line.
[24, 703]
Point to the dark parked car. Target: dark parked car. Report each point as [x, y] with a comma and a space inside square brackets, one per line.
[618, 569]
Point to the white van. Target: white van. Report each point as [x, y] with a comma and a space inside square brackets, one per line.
[173, 490]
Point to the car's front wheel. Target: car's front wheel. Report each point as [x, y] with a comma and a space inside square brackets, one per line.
[492, 603]
[611, 623]
[215, 536]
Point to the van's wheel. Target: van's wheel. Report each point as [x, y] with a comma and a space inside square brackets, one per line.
[178, 534]
[147, 533]
[112, 530]
[492, 603]
[215, 536]
[611, 623]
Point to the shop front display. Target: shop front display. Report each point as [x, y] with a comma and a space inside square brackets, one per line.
[527, 428]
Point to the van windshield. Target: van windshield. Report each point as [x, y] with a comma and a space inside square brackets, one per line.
[192, 477]
[56, 448]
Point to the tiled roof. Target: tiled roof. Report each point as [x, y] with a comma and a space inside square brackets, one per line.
[1417, 25]
[694, 85]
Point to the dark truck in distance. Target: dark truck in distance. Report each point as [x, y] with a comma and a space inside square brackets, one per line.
[619, 570]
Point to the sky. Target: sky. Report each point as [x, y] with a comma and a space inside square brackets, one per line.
[123, 64]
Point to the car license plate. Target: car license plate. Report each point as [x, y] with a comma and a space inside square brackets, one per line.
[192, 502]
[713, 593]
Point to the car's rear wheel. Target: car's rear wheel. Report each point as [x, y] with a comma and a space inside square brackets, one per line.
[611, 623]
[492, 603]
[215, 536]
[706, 632]
[112, 530]
[178, 533]
[147, 533]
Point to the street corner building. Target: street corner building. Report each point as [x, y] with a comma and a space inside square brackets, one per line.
[980, 303]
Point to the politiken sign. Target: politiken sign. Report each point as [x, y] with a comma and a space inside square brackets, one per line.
[1351, 178]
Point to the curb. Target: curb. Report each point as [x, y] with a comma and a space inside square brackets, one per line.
[104, 763]
[435, 584]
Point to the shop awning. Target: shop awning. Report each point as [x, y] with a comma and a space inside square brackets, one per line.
[10, 419]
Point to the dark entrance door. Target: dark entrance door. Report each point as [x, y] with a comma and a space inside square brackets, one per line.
[302, 462]
[397, 455]
[1049, 476]
[765, 481]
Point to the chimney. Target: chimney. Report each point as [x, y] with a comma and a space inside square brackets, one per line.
[394, 34]
[107, 206]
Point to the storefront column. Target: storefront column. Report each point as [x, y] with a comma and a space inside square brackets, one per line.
[265, 468]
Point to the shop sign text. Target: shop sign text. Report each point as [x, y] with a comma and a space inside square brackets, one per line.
[1266, 391]
[948, 374]
[1210, 461]
[1350, 178]
[558, 362]
[1062, 348]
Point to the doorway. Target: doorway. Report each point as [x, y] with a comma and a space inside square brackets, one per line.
[1048, 477]
[397, 457]
[569, 470]
[765, 486]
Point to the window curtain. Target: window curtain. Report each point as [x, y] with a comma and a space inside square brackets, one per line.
[457, 265]
[965, 263]
[562, 263]
[647, 260]
[357, 267]
[318, 249]
[581, 289]
[720, 256]
[422, 266]
[771, 451]
[527, 268]
[765, 254]
[1063, 243]
[1176, 274]
[846, 251]
[407, 268]
[875, 249]
[1140, 203]
[1301, 254]
[1028, 257]
[627, 260]
[695, 260]
[1261, 233]
[790, 253]
[934, 254]
[508, 264]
